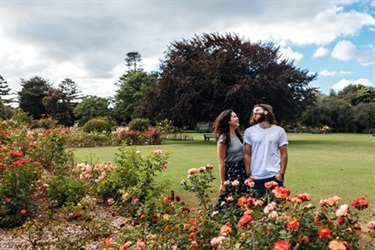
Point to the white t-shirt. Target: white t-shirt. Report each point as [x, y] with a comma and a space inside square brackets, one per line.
[265, 143]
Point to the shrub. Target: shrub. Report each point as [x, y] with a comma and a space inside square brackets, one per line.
[4, 133]
[15, 136]
[167, 223]
[49, 148]
[151, 136]
[200, 181]
[18, 187]
[46, 122]
[132, 183]
[64, 190]
[129, 137]
[166, 126]
[93, 174]
[98, 124]
[20, 117]
[100, 138]
[276, 221]
[139, 124]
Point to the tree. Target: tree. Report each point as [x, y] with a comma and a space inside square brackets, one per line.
[207, 74]
[91, 107]
[316, 115]
[4, 114]
[73, 96]
[132, 61]
[145, 107]
[364, 116]
[58, 106]
[357, 93]
[128, 96]
[5, 91]
[70, 88]
[338, 112]
[334, 112]
[31, 95]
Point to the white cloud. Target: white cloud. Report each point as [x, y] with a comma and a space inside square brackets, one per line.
[333, 73]
[306, 23]
[150, 64]
[344, 82]
[100, 87]
[346, 50]
[327, 73]
[66, 70]
[320, 52]
[18, 56]
[288, 53]
[87, 40]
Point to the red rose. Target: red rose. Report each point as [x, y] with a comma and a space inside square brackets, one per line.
[360, 203]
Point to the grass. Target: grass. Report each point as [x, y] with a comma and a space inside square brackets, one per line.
[322, 165]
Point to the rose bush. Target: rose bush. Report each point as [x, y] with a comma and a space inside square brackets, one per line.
[150, 136]
[40, 187]
[19, 178]
[277, 221]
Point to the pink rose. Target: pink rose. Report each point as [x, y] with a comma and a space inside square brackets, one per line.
[217, 240]
[342, 210]
[158, 152]
[141, 245]
[371, 224]
[249, 182]
[110, 201]
[194, 244]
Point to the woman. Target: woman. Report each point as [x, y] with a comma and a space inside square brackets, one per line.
[230, 155]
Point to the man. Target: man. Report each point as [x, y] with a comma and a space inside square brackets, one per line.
[265, 150]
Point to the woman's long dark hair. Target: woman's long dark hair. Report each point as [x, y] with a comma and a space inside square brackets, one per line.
[221, 127]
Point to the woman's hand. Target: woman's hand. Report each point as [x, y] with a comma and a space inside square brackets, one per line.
[223, 189]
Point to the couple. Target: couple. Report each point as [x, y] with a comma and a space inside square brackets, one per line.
[262, 154]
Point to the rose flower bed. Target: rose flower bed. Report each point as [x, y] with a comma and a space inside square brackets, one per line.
[49, 202]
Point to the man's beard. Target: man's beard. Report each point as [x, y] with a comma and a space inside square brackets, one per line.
[261, 118]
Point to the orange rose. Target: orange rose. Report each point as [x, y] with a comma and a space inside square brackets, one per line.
[245, 220]
[281, 192]
[242, 201]
[107, 242]
[324, 233]
[292, 224]
[282, 245]
[271, 184]
[225, 229]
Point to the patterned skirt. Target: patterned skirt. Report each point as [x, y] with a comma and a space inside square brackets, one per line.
[234, 171]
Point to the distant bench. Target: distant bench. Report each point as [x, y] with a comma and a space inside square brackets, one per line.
[208, 136]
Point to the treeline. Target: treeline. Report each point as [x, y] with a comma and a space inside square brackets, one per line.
[199, 78]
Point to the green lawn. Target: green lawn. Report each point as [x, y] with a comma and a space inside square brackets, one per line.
[322, 165]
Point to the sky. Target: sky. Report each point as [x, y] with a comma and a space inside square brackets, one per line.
[87, 41]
